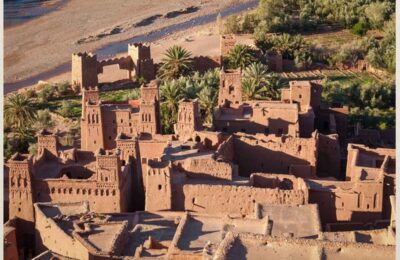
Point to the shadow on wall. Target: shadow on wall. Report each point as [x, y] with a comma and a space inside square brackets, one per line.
[276, 126]
[204, 63]
[238, 251]
[252, 159]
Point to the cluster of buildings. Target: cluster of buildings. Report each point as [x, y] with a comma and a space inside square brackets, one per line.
[265, 182]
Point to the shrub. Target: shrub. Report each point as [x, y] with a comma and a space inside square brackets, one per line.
[359, 29]
[66, 109]
[46, 93]
[44, 119]
[232, 25]
[64, 89]
[30, 93]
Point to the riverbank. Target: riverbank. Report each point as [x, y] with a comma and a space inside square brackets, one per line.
[48, 41]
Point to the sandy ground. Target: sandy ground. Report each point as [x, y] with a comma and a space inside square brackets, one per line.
[43, 43]
[201, 40]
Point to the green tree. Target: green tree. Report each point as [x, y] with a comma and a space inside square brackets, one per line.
[251, 90]
[43, 119]
[273, 86]
[176, 62]
[66, 109]
[378, 12]
[46, 93]
[132, 94]
[256, 72]
[18, 111]
[207, 101]
[241, 56]
[171, 94]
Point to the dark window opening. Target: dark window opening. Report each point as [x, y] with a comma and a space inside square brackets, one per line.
[197, 139]
[243, 130]
[159, 187]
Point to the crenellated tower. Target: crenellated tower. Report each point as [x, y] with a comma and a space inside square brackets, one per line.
[149, 116]
[142, 61]
[20, 192]
[189, 119]
[91, 120]
[84, 71]
[230, 88]
[158, 185]
[47, 142]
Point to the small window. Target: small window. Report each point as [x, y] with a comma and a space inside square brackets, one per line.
[300, 96]
[299, 148]
[159, 187]
[144, 160]
[106, 179]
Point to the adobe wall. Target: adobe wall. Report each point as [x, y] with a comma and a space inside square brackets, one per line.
[268, 153]
[205, 63]
[306, 123]
[350, 201]
[189, 119]
[208, 139]
[329, 160]
[230, 88]
[275, 118]
[20, 193]
[84, 71]
[225, 150]
[207, 168]
[227, 42]
[230, 199]
[158, 186]
[361, 159]
[58, 190]
[10, 240]
[52, 236]
[150, 150]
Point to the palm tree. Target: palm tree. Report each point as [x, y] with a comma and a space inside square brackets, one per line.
[207, 101]
[171, 93]
[241, 56]
[257, 72]
[251, 90]
[273, 86]
[177, 62]
[18, 111]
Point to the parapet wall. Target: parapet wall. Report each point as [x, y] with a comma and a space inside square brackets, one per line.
[229, 199]
[261, 153]
[206, 168]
